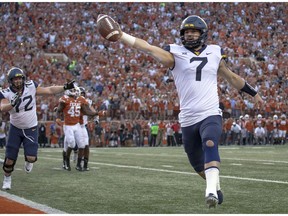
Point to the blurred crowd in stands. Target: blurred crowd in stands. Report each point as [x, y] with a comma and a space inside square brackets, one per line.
[55, 42]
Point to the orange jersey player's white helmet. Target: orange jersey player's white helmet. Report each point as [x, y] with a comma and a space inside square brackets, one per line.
[70, 92]
[246, 117]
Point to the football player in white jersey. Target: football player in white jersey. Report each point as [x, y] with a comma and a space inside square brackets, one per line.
[84, 130]
[19, 99]
[195, 66]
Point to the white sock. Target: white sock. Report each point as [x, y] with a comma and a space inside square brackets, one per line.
[218, 183]
[212, 180]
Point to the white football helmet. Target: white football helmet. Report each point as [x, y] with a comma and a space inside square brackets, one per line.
[70, 92]
[246, 117]
[259, 116]
[283, 116]
[275, 117]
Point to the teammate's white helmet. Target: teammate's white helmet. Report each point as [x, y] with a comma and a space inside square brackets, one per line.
[283, 116]
[70, 92]
[241, 117]
[259, 116]
[275, 117]
[246, 116]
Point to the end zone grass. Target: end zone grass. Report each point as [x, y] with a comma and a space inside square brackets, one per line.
[156, 181]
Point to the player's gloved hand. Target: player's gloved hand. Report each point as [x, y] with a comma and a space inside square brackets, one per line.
[169, 80]
[96, 119]
[15, 99]
[69, 85]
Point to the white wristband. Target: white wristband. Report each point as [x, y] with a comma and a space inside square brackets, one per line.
[128, 39]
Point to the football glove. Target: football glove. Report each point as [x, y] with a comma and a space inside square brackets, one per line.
[69, 85]
[96, 119]
[15, 99]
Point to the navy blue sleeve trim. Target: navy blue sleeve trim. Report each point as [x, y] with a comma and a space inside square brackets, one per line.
[35, 84]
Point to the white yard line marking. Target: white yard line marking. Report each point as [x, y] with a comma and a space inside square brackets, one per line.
[167, 166]
[188, 173]
[268, 163]
[254, 160]
[235, 164]
[184, 155]
[177, 172]
[31, 204]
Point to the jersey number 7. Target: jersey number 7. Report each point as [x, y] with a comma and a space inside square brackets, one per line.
[203, 61]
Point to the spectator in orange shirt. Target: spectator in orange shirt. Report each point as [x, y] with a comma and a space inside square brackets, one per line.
[161, 131]
[54, 140]
[250, 129]
[283, 125]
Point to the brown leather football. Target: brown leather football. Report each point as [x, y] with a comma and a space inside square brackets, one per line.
[108, 28]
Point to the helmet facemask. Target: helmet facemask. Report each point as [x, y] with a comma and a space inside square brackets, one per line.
[82, 91]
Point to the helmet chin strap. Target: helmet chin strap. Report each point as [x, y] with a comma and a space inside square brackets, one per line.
[192, 45]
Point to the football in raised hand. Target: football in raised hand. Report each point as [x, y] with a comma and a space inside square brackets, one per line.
[108, 28]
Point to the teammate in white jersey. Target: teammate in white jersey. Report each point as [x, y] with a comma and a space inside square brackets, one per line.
[84, 130]
[195, 66]
[19, 99]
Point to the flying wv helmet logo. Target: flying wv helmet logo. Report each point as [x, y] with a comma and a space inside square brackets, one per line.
[189, 25]
[18, 75]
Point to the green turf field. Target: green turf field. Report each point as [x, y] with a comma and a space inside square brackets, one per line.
[158, 180]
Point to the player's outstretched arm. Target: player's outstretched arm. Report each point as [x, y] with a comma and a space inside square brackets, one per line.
[87, 110]
[55, 89]
[162, 56]
[111, 31]
[238, 83]
[58, 111]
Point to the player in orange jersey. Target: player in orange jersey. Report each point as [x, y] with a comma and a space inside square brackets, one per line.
[71, 109]
[276, 139]
[259, 121]
[269, 129]
[283, 125]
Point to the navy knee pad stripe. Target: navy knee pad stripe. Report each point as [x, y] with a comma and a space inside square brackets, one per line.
[212, 167]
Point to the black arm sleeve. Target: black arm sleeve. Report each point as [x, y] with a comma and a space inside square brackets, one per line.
[249, 89]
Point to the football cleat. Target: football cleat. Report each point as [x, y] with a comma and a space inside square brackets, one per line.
[6, 183]
[211, 201]
[68, 168]
[79, 168]
[86, 169]
[220, 197]
[28, 167]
